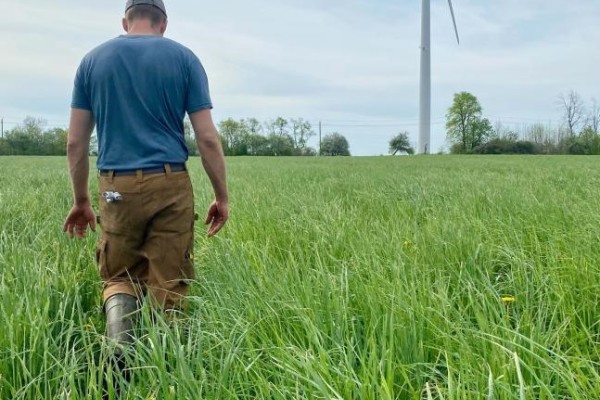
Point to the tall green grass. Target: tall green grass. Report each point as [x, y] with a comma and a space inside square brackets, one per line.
[345, 278]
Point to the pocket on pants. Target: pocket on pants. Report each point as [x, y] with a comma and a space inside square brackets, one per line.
[124, 215]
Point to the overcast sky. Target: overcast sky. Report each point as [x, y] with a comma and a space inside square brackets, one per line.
[353, 64]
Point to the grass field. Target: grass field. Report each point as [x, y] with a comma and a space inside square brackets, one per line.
[347, 278]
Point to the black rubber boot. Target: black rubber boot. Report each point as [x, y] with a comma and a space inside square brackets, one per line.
[120, 310]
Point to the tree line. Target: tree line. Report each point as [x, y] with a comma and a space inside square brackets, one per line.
[468, 132]
[31, 139]
[245, 137]
[279, 137]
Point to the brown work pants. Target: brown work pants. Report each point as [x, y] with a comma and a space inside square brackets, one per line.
[147, 238]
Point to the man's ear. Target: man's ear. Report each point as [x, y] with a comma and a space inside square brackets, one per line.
[125, 24]
[163, 27]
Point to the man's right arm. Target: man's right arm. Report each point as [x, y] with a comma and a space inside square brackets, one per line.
[213, 160]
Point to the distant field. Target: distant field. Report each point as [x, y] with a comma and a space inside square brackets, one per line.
[336, 278]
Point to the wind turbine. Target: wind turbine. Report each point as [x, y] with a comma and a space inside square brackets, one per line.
[425, 91]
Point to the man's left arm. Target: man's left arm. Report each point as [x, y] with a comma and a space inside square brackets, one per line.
[78, 146]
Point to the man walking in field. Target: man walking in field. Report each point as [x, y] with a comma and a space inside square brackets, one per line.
[136, 90]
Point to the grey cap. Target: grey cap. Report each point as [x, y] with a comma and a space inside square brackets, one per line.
[156, 3]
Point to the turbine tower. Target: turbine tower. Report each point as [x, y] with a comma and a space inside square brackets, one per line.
[425, 90]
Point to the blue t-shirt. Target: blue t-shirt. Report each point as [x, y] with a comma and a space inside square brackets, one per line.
[139, 88]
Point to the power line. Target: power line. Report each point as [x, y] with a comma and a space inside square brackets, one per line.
[374, 125]
[521, 119]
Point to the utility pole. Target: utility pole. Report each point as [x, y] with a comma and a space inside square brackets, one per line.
[2, 124]
[320, 133]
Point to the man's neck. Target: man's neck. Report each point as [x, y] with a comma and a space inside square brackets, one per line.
[143, 33]
[143, 28]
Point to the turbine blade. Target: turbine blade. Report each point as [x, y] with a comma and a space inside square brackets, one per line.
[454, 21]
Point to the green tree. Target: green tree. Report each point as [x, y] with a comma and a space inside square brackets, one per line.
[27, 138]
[301, 133]
[258, 145]
[465, 126]
[591, 140]
[587, 143]
[253, 126]
[30, 138]
[308, 152]
[281, 145]
[33, 126]
[55, 142]
[5, 147]
[234, 132]
[335, 144]
[279, 127]
[506, 146]
[401, 144]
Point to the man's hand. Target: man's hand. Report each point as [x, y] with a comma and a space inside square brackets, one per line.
[218, 213]
[209, 146]
[80, 216]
